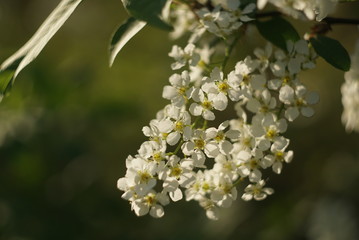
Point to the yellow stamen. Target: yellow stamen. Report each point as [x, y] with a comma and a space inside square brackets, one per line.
[199, 144]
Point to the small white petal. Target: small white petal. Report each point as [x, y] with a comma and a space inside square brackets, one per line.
[211, 150]
[169, 92]
[226, 147]
[286, 94]
[122, 184]
[312, 98]
[247, 196]
[195, 109]
[208, 115]
[140, 208]
[157, 211]
[212, 213]
[291, 113]
[165, 126]
[277, 167]
[307, 111]
[176, 195]
[173, 138]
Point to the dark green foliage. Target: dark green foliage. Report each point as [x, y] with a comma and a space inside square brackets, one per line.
[332, 51]
[149, 11]
[278, 31]
[27, 53]
[123, 34]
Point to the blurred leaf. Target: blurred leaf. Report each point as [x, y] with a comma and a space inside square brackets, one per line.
[5, 78]
[246, 2]
[332, 51]
[11, 67]
[123, 34]
[151, 11]
[278, 31]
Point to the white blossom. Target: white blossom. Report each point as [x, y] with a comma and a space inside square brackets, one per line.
[350, 94]
[152, 203]
[311, 9]
[256, 191]
[224, 192]
[300, 103]
[178, 92]
[184, 56]
[250, 164]
[187, 156]
[222, 87]
[205, 103]
[278, 155]
[201, 143]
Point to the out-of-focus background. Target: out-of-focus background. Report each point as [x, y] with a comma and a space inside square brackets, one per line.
[70, 122]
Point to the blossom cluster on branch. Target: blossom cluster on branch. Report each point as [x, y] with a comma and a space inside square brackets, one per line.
[189, 154]
[350, 94]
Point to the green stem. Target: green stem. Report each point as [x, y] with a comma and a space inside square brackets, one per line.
[236, 183]
[333, 20]
[347, 1]
[195, 122]
[281, 108]
[178, 147]
[204, 124]
[229, 50]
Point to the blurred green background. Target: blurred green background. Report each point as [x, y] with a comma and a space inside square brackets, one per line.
[70, 122]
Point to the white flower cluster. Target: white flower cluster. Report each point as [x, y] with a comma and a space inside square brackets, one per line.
[312, 9]
[350, 95]
[219, 17]
[185, 157]
[225, 18]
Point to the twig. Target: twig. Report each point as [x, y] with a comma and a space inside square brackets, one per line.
[328, 20]
[333, 20]
[268, 14]
[229, 50]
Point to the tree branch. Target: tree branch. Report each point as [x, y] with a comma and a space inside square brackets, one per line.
[268, 14]
[328, 20]
[332, 20]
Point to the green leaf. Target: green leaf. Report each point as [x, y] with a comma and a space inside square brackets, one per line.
[278, 31]
[5, 78]
[124, 34]
[332, 52]
[11, 67]
[150, 11]
[246, 2]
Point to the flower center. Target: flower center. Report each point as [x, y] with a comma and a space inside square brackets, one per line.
[300, 102]
[286, 80]
[271, 133]
[207, 105]
[246, 79]
[279, 155]
[205, 186]
[220, 136]
[157, 156]
[253, 164]
[199, 144]
[228, 166]
[164, 136]
[182, 90]
[247, 141]
[223, 87]
[144, 177]
[150, 200]
[176, 171]
[179, 126]
[264, 109]
[227, 188]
